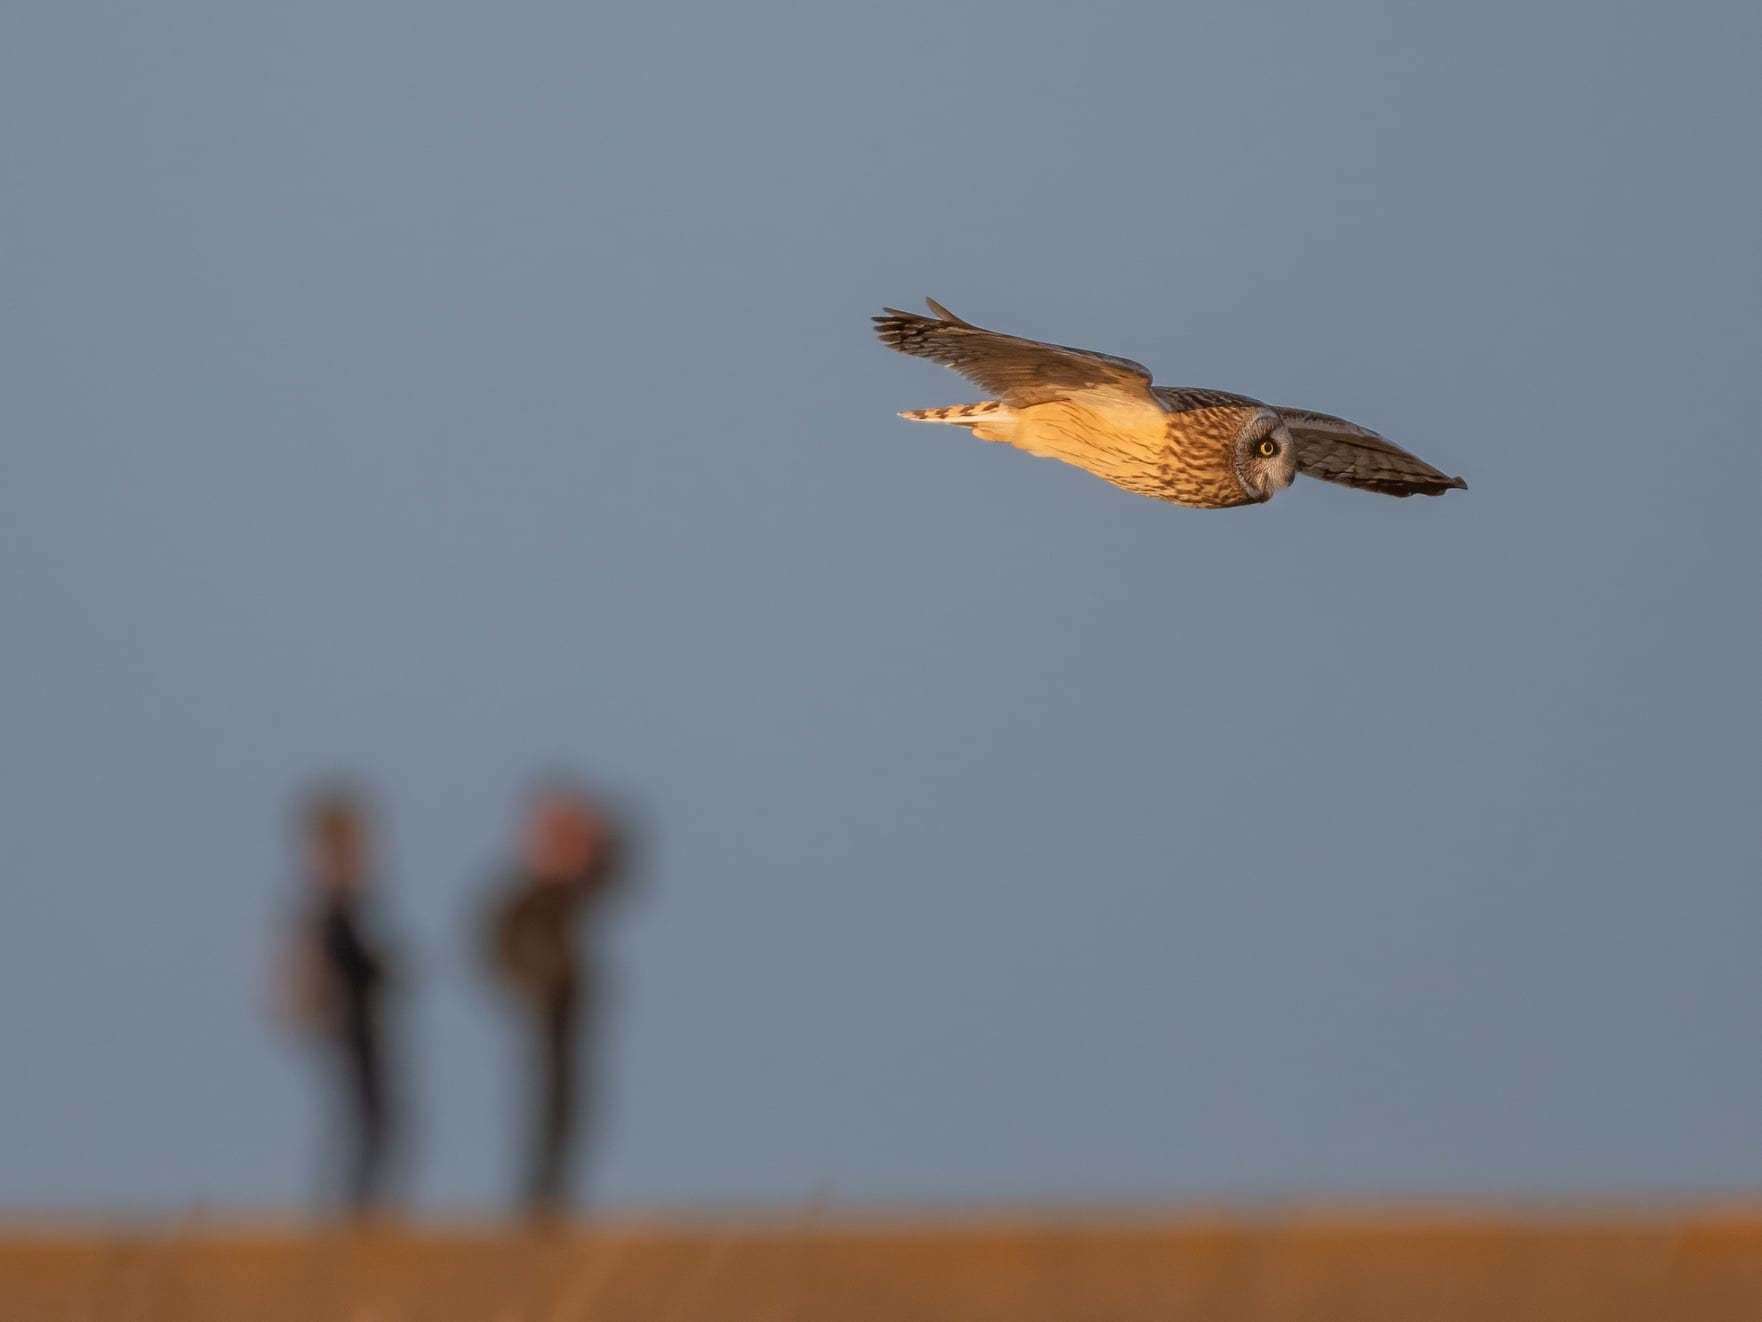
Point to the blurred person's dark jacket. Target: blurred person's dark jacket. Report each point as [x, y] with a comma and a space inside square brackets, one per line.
[354, 963]
[533, 941]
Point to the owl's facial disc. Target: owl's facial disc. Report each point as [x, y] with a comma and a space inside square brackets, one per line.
[1266, 458]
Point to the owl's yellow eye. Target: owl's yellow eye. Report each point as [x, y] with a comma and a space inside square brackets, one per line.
[1269, 447]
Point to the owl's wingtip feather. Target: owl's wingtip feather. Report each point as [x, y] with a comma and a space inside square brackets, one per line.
[943, 314]
[893, 327]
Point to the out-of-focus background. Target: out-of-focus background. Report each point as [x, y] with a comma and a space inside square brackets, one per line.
[443, 392]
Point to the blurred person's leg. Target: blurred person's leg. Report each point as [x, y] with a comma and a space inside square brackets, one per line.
[371, 1130]
[548, 1178]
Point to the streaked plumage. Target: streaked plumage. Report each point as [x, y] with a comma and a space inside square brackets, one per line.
[1205, 448]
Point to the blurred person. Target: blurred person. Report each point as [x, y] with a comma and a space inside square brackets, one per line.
[569, 860]
[333, 983]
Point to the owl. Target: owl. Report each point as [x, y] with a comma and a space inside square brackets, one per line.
[1205, 448]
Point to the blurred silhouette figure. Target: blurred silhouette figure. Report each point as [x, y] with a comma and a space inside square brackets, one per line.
[334, 980]
[569, 860]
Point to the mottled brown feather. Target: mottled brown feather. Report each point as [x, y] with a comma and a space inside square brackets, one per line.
[1183, 399]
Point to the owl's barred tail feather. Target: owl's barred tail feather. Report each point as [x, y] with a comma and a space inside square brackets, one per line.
[961, 415]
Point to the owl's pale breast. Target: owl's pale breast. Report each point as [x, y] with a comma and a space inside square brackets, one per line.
[1120, 437]
[1129, 440]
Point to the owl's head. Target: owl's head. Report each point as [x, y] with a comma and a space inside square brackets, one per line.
[1266, 457]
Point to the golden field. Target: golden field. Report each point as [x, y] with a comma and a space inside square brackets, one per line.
[1319, 1265]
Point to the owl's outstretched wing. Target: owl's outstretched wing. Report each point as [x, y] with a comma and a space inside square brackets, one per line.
[1016, 370]
[1339, 451]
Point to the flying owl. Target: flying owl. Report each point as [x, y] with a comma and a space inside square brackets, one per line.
[1206, 448]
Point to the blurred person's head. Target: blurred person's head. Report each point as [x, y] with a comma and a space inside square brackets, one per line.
[562, 833]
[335, 827]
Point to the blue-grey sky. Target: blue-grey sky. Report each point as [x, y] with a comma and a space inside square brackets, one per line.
[445, 390]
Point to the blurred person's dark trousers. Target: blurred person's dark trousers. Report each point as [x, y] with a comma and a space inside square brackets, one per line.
[365, 1162]
[554, 1128]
